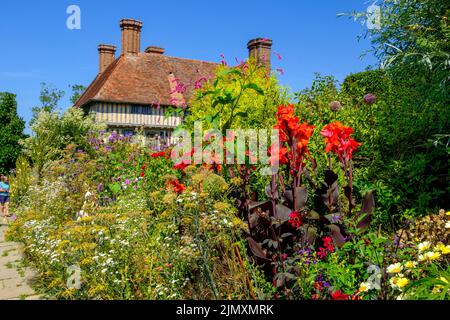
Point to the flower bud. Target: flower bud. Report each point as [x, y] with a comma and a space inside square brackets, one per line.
[370, 98]
[335, 106]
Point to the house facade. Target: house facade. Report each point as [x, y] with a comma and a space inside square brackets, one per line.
[135, 90]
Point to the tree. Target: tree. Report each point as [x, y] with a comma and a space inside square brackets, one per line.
[11, 132]
[77, 91]
[49, 97]
[52, 132]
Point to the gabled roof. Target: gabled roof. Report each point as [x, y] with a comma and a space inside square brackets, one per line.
[146, 78]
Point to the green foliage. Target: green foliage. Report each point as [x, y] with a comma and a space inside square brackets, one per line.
[135, 240]
[77, 91]
[52, 132]
[403, 157]
[239, 97]
[435, 286]
[11, 132]
[49, 98]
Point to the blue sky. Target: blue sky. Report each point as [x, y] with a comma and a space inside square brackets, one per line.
[36, 46]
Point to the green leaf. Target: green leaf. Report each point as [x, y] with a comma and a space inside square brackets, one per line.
[114, 187]
[255, 87]
[229, 71]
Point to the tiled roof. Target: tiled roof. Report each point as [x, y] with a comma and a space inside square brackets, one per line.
[147, 78]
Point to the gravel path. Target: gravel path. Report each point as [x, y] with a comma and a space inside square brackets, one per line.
[15, 280]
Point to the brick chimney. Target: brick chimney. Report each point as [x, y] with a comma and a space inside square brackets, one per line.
[260, 49]
[155, 50]
[106, 54]
[131, 36]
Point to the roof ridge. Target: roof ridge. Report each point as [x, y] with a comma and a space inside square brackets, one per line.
[99, 80]
[178, 58]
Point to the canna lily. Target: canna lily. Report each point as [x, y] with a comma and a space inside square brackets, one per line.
[338, 140]
[294, 135]
[175, 185]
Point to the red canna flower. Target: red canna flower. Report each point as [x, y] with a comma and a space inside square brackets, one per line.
[158, 154]
[175, 185]
[181, 166]
[282, 155]
[296, 135]
[338, 140]
[338, 295]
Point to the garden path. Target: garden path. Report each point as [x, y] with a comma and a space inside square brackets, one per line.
[15, 280]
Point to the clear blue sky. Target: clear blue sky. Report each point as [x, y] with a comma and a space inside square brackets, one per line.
[36, 46]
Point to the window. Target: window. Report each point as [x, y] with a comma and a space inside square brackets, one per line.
[135, 109]
[127, 132]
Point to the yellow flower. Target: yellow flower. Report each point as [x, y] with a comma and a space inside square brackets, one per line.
[424, 246]
[422, 258]
[447, 225]
[395, 268]
[433, 255]
[447, 213]
[410, 264]
[393, 282]
[437, 289]
[402, 282]
[364, 287]
[443, 280]
[444, 249]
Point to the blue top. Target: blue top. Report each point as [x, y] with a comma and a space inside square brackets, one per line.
[5, 187]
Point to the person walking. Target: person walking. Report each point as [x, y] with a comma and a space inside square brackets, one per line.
[4, 199]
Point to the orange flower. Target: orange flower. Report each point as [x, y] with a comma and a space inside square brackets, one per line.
[175, 185]
[338, 140]
[295, 134]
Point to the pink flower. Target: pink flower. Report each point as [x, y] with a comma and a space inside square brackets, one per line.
[198, 83]
[278, 55]
[281, 71]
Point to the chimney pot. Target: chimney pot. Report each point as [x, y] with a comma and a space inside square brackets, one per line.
[155, 50]
[261, 50]
[131, 36]
[107, 54]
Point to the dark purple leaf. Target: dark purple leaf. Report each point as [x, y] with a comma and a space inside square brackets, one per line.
[301, 197]
[330, 177]
[336, 234]
[330, 198]
[257, 249]
[364, 223]
[310, 234]
[263, 205]
[268, 191]
[348, 194]
[282, 213]
[368, 204]
[367, 207]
